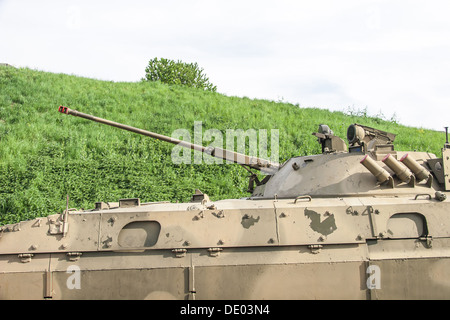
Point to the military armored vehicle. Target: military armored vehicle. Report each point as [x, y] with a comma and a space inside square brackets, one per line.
[359, 221]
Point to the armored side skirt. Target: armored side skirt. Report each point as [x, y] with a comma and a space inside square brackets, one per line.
[356, 271]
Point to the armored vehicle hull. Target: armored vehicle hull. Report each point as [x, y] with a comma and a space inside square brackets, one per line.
[233, 249]
[368, 223]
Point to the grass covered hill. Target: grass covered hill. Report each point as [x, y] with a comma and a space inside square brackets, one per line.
[45, 155]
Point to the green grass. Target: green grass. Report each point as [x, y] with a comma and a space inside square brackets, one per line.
[45, 155]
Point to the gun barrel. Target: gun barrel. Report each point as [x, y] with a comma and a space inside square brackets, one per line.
[236, 157]
[76, 113]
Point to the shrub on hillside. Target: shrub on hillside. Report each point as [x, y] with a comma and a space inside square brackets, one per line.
[179, 73]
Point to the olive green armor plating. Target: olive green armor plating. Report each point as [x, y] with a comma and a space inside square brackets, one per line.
[359, 221]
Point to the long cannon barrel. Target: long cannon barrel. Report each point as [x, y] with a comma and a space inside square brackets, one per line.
[252, 162]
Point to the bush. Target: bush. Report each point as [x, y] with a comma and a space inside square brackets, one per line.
[179, 73]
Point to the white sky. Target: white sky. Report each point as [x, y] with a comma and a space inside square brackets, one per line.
[386, 56]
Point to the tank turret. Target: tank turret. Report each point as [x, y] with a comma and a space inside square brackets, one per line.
[368, 166]
[371, 166]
